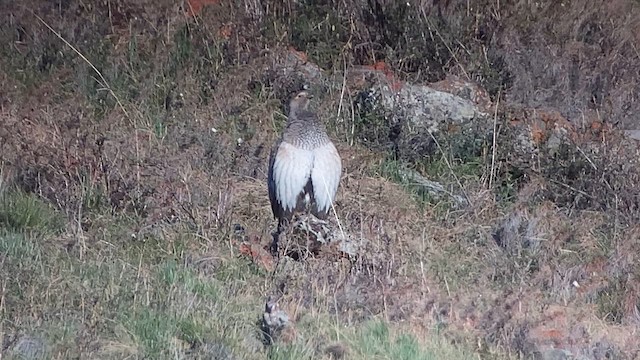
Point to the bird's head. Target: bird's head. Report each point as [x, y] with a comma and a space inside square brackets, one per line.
[300, 101]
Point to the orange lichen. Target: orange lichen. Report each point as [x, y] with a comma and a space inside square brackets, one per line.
[258, 255]
[226, 31]
[195, 6]
[538, 134]
[385, 69]
[299, 54]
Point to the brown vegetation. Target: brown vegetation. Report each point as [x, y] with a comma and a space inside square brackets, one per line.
[155, 145]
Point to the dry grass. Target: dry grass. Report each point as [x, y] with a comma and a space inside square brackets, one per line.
[124, 225]
[148, 265]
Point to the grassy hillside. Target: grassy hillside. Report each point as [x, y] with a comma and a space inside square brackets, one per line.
[134, 216]
[68, 295]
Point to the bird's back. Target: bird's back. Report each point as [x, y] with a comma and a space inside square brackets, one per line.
[304, 168]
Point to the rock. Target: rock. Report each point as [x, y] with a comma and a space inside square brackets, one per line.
[30, 348]
[466, 90]
[336, 351]
[633, 134]
[519, 231]
[428, 108]
[275, 325]
[417, 120]
[434, 188]
[554, 354]
[214, 350]
[325, 233]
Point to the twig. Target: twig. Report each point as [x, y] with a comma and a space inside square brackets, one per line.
[334, 208]
[494, 145]
[571, 188]
[344, 85]
[445, 44]
[104, 81]
[586, 157]
[1, 178]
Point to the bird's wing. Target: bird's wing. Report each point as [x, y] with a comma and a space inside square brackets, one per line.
[325, 175]
[291, 171]
[271, 183]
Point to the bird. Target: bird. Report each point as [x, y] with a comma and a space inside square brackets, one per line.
[304, 166]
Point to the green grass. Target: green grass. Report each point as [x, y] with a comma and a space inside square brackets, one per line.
[140, 299]
[373, 339]
[20, 211]
[413, 178]
[150, 306]
[397, 171]
[152, 311]
[610, 301]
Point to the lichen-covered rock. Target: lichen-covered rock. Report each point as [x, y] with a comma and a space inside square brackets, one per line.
[30, 348]
[422, 121]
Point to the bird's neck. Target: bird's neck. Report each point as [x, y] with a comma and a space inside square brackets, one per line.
[309, 134]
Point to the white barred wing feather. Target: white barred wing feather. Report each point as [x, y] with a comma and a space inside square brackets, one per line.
[325, 175]
[291, 172]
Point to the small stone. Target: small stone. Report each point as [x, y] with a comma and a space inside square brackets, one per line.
[30, 348]
[336, 351]
[275, 323]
